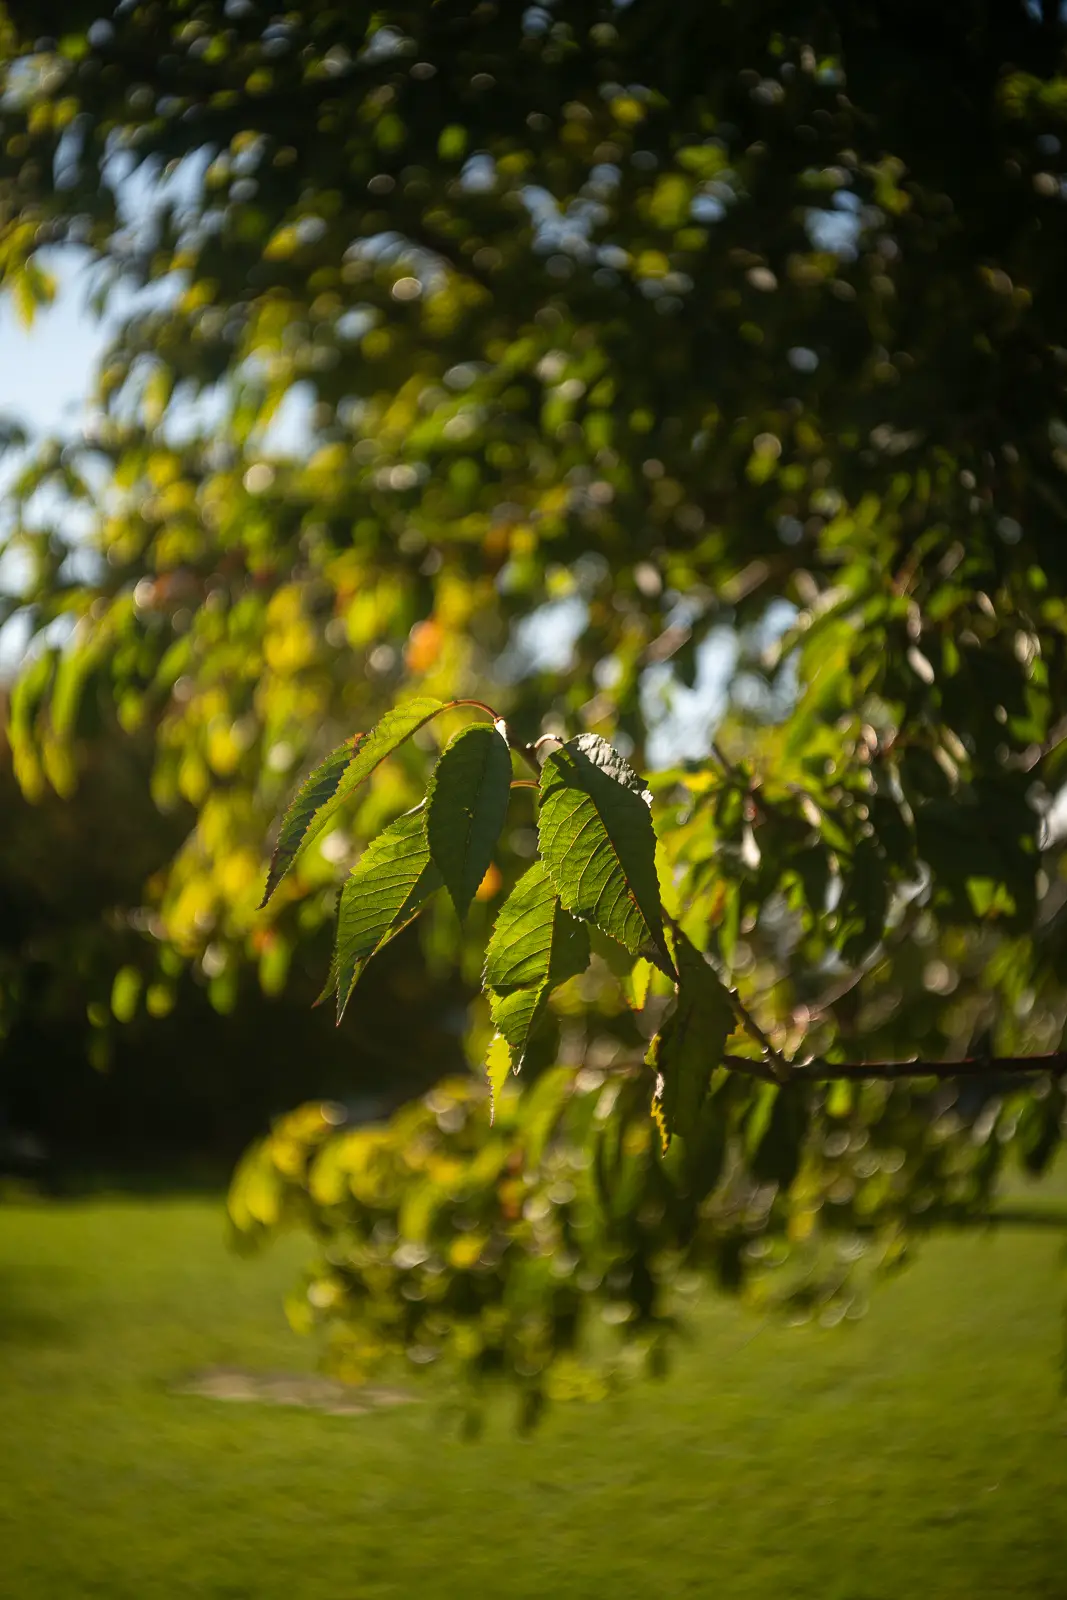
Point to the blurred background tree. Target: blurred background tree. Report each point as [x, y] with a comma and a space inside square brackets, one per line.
[648, 371]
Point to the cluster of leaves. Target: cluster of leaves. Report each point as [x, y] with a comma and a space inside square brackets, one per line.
[596, 869]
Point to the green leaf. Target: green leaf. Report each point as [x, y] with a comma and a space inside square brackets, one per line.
[385, 889]
[497, 1067]
[465, 808]
[535, 946]
[598, 843]
[323, 793]
[691, 1045]
[319, 787]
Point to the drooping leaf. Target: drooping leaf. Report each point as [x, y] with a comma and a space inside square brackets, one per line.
[327, 788]
[535, 946]
[598, 843]
[691, 1043]
[384, 890]
[465, 808]
[318, 787]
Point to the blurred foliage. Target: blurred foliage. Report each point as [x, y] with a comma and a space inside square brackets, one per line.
[548, 355]
[521, 1250]
[103, 1072]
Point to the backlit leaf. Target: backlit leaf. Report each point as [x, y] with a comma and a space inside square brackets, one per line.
[638, 984]
[497, 1067]
[465, 808]
[319, 787]
[598, 843]
[535, 946]
[330, 785]
[384, 890]
[691, 1044]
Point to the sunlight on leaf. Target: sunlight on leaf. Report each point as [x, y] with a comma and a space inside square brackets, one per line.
[535, 946]
[465, 808]
[384, 890]
[598, 843]
[497, 1067]
[331, 784]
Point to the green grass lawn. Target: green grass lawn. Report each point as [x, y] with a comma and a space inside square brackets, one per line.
[923, 1451]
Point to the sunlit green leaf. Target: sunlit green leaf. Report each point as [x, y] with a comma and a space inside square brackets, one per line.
[319, 787]
[638, 983]
[535, 946]
[465, 808]
[497, 1067]
[330, 785]
[384, 890]
[598, 843]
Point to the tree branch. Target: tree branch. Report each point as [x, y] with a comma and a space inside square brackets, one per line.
[819, 1071]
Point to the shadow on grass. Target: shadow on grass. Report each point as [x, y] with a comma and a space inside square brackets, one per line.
[62, 1180]
[25, 1317]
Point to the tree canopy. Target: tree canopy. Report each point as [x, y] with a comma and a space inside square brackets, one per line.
[634, 371]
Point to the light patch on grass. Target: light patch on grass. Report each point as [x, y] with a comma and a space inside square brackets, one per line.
[290, 1389]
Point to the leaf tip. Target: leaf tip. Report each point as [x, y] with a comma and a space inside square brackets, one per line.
[658, 1117]
[497, 1065]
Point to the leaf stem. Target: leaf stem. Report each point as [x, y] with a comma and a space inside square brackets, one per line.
[477, 705]
[524, 750]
